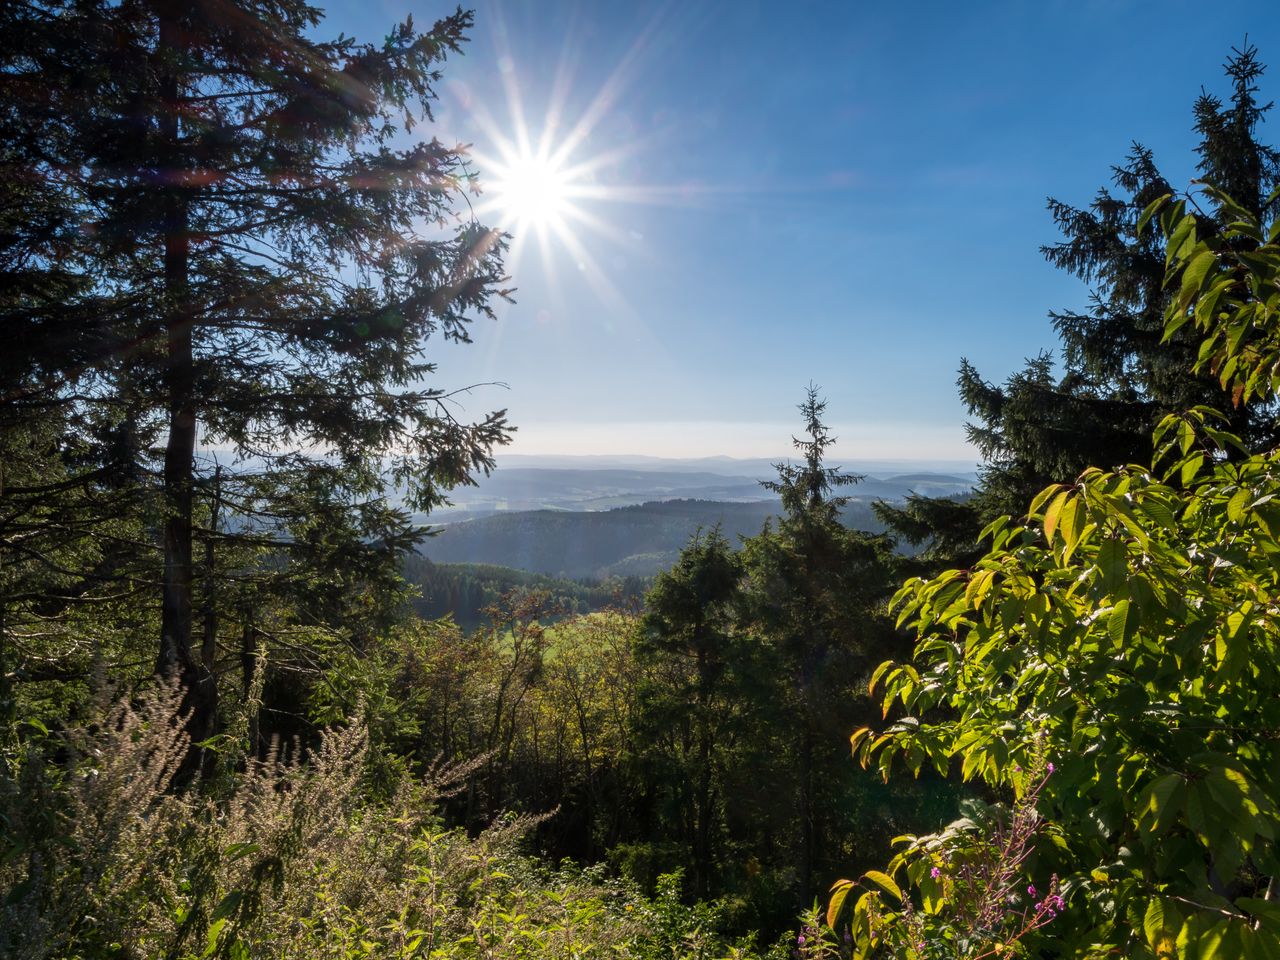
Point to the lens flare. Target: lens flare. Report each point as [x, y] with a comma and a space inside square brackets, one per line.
[530, 191]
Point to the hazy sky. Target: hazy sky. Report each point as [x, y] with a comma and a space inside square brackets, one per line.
[768, 194]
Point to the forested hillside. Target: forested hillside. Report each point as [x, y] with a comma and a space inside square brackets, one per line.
[246, 710]
[627, 541]
[464, 591]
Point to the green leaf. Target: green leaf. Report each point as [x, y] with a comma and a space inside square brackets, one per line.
[1118, 623]
[1181, 234]
[1159, 512]
[884, 882]
[1051, 515]
[237, 850]
[211, 938]
[228, 905]
[1113, 563]
[1190, 467]
[1150, 211]
[1158, 799]
[840, 891]
[1193, 277]
[1238, 504]
[1153, 922]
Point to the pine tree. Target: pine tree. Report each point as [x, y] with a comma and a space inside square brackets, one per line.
[244, 248]
[689, 627]
[1119, 376]
[814, 594]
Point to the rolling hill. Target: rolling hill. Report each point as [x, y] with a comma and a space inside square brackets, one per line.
[628, 541]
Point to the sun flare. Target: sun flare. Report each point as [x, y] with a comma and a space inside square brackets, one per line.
[531, 190]
[551, 184]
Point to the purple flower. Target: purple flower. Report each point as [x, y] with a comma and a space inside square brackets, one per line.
[800, 940]
[1031, 890]
[935, 873]
[1050, 767]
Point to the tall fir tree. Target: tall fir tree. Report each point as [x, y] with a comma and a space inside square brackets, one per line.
[815, 595]
[1120, 374]
[240, 243]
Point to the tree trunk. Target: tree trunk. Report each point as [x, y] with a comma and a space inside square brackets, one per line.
[175, 656]
[702, 838]
[209, 643]
[8, 715]
[807, 832]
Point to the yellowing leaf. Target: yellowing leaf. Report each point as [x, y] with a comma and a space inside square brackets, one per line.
[840, 891]
[883, 881]
[1153, 923]
[1071, 523]
[1051, 515]
[979, 587]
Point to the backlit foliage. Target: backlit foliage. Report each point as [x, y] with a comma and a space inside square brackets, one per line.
[1128, 627]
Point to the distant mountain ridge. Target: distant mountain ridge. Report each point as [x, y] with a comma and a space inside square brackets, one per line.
[598, 517]
[582, 488]
[761, 467]
[635, 540]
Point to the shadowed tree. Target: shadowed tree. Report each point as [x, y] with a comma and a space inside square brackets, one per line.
[814, 594]
[688, 624]
[1121, 374]
[246, 247]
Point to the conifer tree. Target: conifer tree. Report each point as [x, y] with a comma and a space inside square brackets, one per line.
[243, 244]
[815, 589]
[689, 624]
[1120, 374]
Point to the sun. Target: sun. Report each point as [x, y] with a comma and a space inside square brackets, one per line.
[541, 195]
[548, 180]
[531, 190]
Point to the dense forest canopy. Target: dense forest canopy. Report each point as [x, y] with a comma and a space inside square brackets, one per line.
[241, 716]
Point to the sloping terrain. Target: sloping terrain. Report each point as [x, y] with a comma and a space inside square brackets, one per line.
[628, 541]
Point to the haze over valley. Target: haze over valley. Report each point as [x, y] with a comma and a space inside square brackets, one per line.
[598, 517]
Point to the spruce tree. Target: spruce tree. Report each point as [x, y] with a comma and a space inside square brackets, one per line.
[688, 628]
[1120, 375]
[243, 244]
[815, 592]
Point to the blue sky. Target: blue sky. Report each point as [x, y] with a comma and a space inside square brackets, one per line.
[845, 193]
